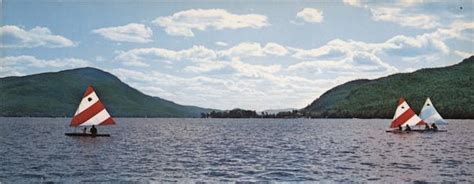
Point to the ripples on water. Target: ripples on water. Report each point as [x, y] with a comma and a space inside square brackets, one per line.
[227, 150]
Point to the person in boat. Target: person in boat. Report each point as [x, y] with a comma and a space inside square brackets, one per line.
[407, 128]
[93, 130]
[84, 131]
[400, 128]
[434, 127]
[427, 127]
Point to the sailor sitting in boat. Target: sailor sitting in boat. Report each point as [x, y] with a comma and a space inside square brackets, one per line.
[427, 127]
[93, 130]
[434, 127]
[407, 128]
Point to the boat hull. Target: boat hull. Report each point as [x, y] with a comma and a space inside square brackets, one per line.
[421, 131]
[86, 135]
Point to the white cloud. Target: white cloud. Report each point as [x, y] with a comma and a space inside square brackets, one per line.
[358, 64]
[184, 22]
[355, 3]
[397, 15]
[252, 49]
[126, 74]
[16, 37]
[9, 71]
[458, 29]
[199, 54]
[410, 2]
[137, 33]
[351, 57]
[422, 58]
[403, 12]
[411, 46]
[334, 48]
[32, 61]
[312, 15]
[275, 49]
[206, 66]
[18, 65]
[257, 71]
[205, 57]
[140, 57]
[245, 49]
[463, 54]
[400, 3]
[222, 44]
[425, 47]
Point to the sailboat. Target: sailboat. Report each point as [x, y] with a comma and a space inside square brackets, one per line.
[404, 115]
[91, 111]
[430, 115]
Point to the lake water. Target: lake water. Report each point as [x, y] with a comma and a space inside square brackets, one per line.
[228, 150]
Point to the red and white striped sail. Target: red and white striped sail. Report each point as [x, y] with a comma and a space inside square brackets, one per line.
[91, 111]
[404, 115]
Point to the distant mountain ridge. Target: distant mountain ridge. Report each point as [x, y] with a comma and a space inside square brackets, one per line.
[276, 111]
[450, 88]
[57, 94]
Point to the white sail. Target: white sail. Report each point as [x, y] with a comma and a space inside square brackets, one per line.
[430, 115]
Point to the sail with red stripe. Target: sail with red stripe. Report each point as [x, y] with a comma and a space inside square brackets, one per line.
[91, 111]
[404, 116]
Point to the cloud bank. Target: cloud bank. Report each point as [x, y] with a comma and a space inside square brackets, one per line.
[135, 33]
[24, 64]
[184, 22]
[16, 37]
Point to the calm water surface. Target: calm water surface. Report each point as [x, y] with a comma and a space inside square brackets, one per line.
[228, 150]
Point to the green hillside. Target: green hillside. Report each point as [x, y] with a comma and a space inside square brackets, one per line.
[450, 88]
[58, 94]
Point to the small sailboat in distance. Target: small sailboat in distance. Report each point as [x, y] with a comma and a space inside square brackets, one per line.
[430, 115]
[404, 115]
[91, 112]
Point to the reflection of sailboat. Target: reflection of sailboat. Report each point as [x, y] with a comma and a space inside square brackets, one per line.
[430, 115]
[91, 111]
[404, 116]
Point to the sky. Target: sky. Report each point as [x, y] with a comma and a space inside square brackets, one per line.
[235, 54]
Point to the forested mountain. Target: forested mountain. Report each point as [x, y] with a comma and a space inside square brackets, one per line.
[57, 94]
[451, 89]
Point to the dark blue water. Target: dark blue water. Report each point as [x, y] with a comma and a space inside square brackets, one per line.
[227, 150]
